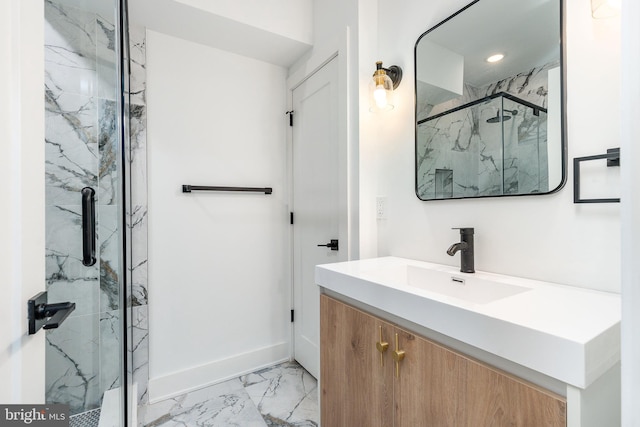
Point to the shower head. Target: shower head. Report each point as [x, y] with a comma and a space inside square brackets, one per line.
[503, 118]
[498, 118]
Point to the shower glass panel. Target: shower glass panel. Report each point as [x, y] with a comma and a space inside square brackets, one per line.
[493, 146]
[525, 148]
[84, 140]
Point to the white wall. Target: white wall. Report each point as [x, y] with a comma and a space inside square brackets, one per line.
[22, 192]
[331, 18]
[368, 125]
[218, 292]
[338, 27]
[542, 237]
[630, 214]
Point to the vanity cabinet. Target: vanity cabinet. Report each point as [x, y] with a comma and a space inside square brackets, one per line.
[374, 373]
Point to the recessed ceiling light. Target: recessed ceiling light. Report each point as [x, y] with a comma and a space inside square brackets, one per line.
[615, 3]
[605, 8]
[495, 58]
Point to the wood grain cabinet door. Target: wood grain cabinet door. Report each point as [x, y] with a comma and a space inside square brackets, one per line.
[356, 384]
[494, 398]
[439, 387]
[430, 384]
[416, 382]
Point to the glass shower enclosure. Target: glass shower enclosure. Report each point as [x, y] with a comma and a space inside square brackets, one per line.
[493, 146]
[85, 139]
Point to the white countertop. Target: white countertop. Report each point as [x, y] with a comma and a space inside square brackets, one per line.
[568, 333]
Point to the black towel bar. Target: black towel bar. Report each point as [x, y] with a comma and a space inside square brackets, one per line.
[189, 188]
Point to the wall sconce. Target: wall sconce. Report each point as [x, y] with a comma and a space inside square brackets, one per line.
[601, 9]
[384, 81]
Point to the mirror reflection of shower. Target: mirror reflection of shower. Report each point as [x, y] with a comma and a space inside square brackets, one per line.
[492, 146]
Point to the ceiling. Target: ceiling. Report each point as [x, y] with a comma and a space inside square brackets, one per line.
[527, 32]
[223, 30]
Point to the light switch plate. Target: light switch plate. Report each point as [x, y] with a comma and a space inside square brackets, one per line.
[381, 207]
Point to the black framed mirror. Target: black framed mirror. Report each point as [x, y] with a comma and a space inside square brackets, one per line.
[490, 102]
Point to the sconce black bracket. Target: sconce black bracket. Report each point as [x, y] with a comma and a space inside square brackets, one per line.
[613, 159]
[395, 74]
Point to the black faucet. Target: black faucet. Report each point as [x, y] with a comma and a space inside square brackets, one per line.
[465, 246]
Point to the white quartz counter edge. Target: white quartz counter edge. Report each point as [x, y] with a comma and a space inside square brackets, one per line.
[568, 333]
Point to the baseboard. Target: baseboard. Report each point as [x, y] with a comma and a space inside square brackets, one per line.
[215, 372]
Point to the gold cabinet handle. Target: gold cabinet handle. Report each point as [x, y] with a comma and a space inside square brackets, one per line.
[382, 346]
[398, 356]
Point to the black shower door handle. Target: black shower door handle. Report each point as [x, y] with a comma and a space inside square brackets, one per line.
[41, 314]
[88, 226]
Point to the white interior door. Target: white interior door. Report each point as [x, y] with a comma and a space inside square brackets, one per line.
[316, 203]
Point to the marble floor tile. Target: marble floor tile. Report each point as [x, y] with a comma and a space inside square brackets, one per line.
[284, 395]
[225, 404]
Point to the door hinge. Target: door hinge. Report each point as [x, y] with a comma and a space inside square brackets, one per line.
[290, 113]
[291, 218]
[292, 316]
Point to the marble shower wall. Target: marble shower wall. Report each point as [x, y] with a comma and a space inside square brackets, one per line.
[460, 154]
[531, 85]
[138, 341]
[82, 356]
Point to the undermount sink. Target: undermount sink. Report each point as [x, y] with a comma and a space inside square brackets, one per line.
[463, 286]
[468, 287]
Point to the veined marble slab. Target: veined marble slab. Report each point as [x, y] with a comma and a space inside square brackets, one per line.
[284, 395]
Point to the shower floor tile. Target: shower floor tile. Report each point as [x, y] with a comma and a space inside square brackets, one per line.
[281, 396]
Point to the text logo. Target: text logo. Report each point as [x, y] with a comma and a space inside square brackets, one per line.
[34, 415]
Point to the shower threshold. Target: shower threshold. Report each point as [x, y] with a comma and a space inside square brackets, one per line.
[108, 415]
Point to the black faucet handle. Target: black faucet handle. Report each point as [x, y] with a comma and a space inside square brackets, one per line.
[464, 230]
[465, 246]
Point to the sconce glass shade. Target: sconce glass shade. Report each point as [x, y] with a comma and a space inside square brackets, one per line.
[601, 9]
[381, 97]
